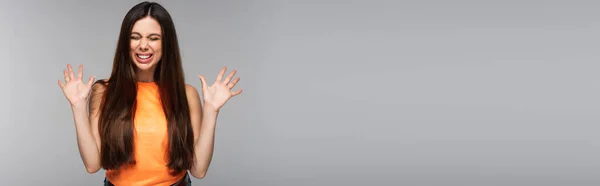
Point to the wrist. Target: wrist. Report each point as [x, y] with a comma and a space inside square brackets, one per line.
[78, 106]
[210, 108]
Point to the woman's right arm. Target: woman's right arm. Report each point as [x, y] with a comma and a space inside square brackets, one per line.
[86, 126]
[86, 123]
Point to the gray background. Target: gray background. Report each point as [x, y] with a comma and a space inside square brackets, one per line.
[335, 92]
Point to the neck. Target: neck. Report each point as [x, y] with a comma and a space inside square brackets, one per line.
[145, 76]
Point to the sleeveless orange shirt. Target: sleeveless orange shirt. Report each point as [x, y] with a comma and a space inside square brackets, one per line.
[150, 144]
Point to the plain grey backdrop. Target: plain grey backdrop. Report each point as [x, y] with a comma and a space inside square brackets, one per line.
[419, 93]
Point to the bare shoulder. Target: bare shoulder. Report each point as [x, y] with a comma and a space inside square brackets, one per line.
[195, 107]
[96, 93]
[190, 89]
[99, 86]
[191, 92]
[192, 95]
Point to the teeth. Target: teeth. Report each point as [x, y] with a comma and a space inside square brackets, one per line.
[144, 56]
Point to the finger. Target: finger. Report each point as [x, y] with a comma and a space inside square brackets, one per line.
[203, 81]
[70, 71]
[232, 84]
[60, 84]
[221, 73]
[229, 77]
[91, 81]
[80, 72]
[236, 93]
[67, 79]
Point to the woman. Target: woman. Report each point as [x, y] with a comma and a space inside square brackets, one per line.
[145, 126]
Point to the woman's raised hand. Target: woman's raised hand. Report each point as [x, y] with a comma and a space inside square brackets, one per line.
[75, 90]
[217, 94]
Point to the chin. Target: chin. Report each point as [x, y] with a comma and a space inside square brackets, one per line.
[144, 66]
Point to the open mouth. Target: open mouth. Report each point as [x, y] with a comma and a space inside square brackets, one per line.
[143, 58]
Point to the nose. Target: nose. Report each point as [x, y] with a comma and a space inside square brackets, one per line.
[144, 44]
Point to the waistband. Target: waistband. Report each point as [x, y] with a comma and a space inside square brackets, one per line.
[185, 181]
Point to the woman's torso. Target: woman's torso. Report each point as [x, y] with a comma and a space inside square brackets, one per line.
[150, 144]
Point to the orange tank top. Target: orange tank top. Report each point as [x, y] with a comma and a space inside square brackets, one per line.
[150, 144]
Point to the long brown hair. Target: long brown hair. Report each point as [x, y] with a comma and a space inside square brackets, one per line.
[117, 110]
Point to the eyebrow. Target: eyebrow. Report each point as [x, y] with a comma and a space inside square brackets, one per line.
[148, 35]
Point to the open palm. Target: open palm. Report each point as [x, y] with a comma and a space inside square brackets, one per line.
[217, 94]
[74, 89]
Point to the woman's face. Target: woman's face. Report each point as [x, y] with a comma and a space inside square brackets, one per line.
[146, 43]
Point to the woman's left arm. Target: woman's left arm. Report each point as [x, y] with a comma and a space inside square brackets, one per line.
[204, 117]
[203, 125]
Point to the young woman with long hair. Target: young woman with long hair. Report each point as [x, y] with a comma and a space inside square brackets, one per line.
[144, 125]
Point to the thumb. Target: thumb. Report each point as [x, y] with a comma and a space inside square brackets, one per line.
[203, 81]
[91, 81]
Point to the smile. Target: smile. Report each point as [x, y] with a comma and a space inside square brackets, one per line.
[144, 58]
